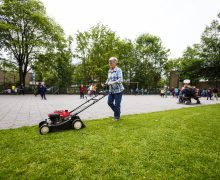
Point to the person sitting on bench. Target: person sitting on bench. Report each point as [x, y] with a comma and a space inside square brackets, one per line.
[189, 92]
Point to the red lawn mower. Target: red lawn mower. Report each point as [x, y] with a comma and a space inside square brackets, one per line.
[61, 120]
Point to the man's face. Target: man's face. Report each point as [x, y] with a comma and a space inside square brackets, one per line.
[112, 64]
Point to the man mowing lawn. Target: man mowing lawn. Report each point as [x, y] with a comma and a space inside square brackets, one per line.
[116, 88]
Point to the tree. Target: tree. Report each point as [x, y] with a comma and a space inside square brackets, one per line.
[25, 31]
[142, 61]
[210, 44]
[202, 61]
[125, 54]
[191, 65]
[151, 57]
[55, 67]
[94, 48]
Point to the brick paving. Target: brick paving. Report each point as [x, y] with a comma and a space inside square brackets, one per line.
[27, 110]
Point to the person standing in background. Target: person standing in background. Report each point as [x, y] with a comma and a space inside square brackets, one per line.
[38, 89]
[209, 94]
[13, 89]
[215, 93]
[43, 90]
[22, 89]
[81, 91]
[162, 93]
[94, 89]
[90, 90]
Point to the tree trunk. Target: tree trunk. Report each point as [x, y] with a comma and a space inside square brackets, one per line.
[20, 75]
[24, 77]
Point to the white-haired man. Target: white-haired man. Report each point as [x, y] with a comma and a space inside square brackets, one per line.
[116, 88]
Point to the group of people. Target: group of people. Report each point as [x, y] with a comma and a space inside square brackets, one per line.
[187, 92]
[137, 91]
[91, 90]
[209, 93]
[11, 90]
[176, 92]
[14, 90]
[164, 92]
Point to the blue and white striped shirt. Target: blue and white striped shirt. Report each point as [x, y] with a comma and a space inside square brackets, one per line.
[115, 76]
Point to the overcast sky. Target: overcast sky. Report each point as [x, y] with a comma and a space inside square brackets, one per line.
[178, 23]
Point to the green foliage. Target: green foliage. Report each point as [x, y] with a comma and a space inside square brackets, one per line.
[177, 144]
[151, 58]
[25, 30]
[210, 43]
[94, 48]
[202, 61]
[36, 42]
[142, 61]
[7, 65]
[126, 56]
[191, 64]
[54, 67]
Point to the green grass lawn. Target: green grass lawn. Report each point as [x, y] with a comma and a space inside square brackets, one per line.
[176, 144]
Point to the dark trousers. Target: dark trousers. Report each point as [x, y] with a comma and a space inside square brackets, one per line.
[81, 95]
[22, 91]
[209, 96]
[114, 101]
[43, 95]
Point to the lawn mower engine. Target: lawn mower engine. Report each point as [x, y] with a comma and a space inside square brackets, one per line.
[58, 116]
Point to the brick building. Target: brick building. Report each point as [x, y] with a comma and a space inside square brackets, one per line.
[12, 77]
[174, 79]
[175, 82]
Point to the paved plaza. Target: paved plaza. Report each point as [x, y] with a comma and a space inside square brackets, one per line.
[27, 110]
